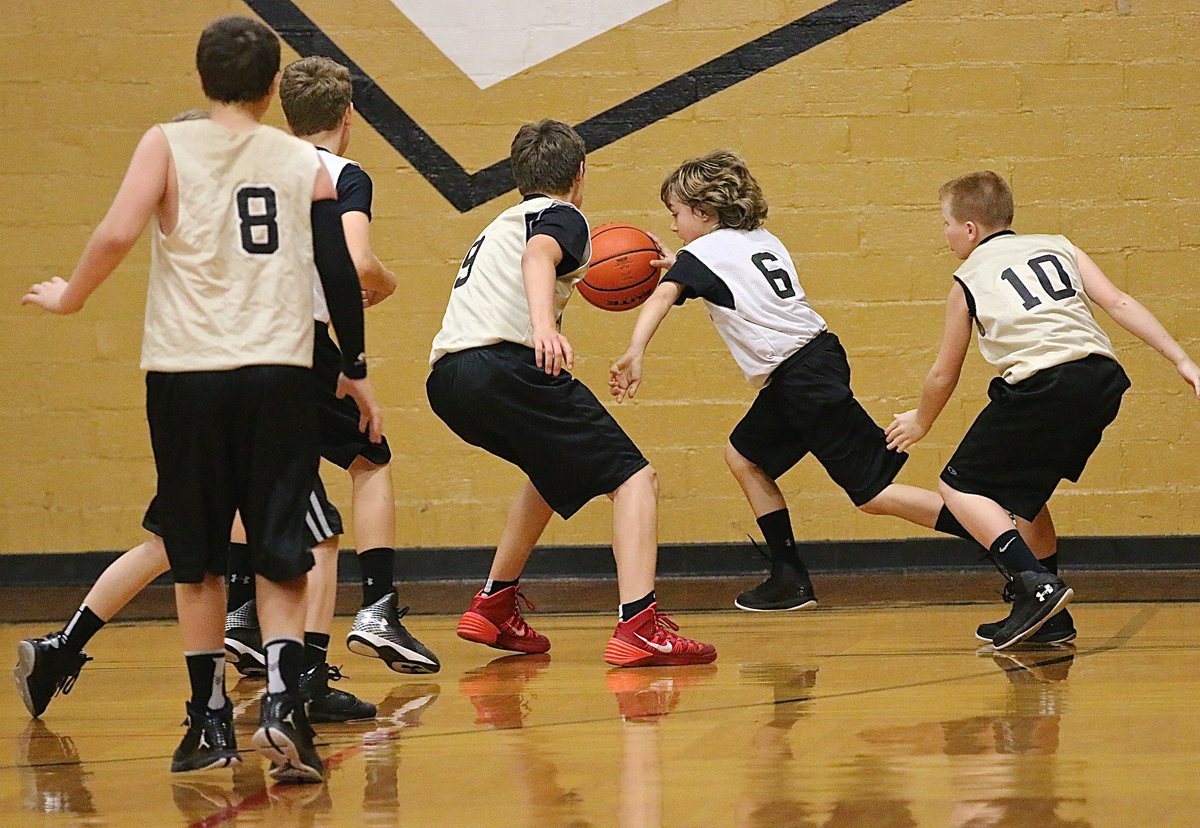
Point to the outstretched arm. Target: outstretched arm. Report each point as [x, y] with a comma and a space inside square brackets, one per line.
[909, 427]
[1134, 317]
[625, 375]
[135, 203]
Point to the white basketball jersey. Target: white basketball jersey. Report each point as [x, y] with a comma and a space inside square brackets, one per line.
[334, 164]
[1030, 308]
[232, 285]
[487, 303]
[762, 314]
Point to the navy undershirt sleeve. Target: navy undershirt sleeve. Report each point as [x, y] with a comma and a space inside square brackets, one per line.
[568, 227]
[355, 190]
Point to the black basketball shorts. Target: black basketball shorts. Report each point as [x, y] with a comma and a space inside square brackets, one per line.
[808, 406]
[1037, 432]
[323, 519]
[553, 428]
[337, 420]
[239, 440]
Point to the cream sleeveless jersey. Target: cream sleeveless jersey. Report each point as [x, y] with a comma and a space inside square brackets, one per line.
[749, 286]
[233, 284]
[1027, 298]
[487, 303]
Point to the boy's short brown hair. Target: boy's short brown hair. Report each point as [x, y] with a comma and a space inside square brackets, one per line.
[719, 184]
[237, 58]
[315, 93]
[982, 197]
[545, 157]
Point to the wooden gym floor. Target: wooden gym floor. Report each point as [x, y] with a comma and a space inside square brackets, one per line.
[832, 717]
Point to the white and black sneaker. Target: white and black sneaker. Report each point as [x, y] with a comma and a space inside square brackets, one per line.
[378, 633]
[778, 594]
[1037, 596]
[285, 737]
[209, 741]
[243, 641]
[1058, 629]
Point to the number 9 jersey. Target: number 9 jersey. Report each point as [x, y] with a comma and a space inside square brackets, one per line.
[1026, 296]
[749, 285]
[232, 284]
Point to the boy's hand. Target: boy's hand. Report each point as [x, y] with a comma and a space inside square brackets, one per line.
[625, 376]
[370, 418]
[48, 296]
[904, 431]
[1190, 373]
[666, 257]
[552, 351]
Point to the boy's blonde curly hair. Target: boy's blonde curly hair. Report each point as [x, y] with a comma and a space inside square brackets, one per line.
[719, 184]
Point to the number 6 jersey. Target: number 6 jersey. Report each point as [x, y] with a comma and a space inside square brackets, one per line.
[1026, 296]
[748, 283]
[232, 285]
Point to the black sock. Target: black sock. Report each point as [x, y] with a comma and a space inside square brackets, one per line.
[631, 609]
[241, 577]
[1014, 554]
[1050, 562]
[493, 586]
[285, 660]
[948, 524]
[777, 530]
[82, 627]
[377, 569]
[206, 674]
[316, 648]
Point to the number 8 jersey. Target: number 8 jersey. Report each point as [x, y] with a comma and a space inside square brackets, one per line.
[232, 285]
[749, 285]
[1026, 296]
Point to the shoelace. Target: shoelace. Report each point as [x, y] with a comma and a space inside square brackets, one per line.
[65, 684]
[517, 621]
[664, 627]
[335, 672]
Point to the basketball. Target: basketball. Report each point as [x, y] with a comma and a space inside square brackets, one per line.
[620, 276]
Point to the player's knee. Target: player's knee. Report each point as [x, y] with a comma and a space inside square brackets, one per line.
[874, 506]
[736, 462]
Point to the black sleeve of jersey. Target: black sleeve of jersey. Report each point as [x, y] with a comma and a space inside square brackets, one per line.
[340, 280]
[355, 190]
[568, 227]
[698, 281]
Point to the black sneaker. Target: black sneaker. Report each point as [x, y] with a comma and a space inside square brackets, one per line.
[243, 641]
[326, 704]
[1058, 629]
[45, 667]
[209, 741]
[378, 633]
[1036, 597]
[286, 739]
[778, 594]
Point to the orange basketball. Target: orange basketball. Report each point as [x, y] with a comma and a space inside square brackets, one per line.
[620, 276]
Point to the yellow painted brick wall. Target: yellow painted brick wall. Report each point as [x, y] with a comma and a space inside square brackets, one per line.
[1091, 107]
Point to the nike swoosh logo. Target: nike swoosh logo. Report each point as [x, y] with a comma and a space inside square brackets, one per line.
[1002, 548]
[662, 648]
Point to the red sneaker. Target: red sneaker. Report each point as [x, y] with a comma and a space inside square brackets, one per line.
[648, 640]
[495, 620]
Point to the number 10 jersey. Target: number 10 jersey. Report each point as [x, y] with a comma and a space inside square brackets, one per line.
[1026, 296]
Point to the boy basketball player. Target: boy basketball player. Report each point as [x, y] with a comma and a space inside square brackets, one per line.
[315, 93]
[1029, 297]
[747, 280]
[228, 351]
[498, 380]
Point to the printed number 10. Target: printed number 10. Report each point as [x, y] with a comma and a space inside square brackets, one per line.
[1037, 265]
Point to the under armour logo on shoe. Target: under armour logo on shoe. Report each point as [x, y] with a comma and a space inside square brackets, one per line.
[662, 648]
[1044, 591]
